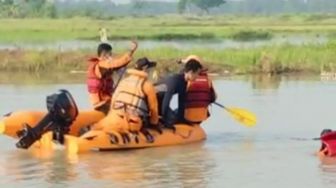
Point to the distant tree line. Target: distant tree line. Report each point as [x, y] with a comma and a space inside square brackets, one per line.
[27, 8]
[105, 9]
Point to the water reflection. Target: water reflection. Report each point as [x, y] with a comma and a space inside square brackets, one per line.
[185, 166]
[194, 165]
[233, 155]
[328, 170]
[262, 82]
[265, 82]
[30, 166]
[24, 78]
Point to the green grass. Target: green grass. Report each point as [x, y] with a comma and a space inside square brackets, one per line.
[268, 59]
[165, 27]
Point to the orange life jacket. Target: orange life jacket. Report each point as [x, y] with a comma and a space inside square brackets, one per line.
[198, 98]
[130, 96]
[104, 85]
[199, 92]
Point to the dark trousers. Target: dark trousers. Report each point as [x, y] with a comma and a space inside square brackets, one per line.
[172, 115]
[171, 118]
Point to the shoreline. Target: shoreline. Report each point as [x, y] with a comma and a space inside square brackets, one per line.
[277, 59]
[258, 81]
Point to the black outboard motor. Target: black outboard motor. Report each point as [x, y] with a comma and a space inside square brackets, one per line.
[62, 111]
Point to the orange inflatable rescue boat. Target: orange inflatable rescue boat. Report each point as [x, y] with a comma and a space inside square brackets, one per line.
[64, 124]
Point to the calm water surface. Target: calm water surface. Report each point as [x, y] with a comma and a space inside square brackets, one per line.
[278, 152]
[297, 40]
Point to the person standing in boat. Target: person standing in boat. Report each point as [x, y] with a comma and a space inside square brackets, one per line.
[100, 72]
[195, 93]
[134, 104]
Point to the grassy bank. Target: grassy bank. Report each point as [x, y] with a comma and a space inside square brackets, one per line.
[269, 59]
[165, 27]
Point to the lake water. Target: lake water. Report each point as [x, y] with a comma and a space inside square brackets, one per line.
[278, 152]
[178, 44]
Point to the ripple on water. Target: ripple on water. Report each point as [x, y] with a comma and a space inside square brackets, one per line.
[328, 171]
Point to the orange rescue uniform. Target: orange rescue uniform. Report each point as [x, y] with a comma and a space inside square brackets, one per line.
[99, 78]
[133, 102]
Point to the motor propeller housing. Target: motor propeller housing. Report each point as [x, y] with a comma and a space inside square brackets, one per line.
[62, 111]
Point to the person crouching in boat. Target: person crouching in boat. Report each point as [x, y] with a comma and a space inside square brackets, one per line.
[134, 104]
[194, 91]
[200, 94]
[100, 72]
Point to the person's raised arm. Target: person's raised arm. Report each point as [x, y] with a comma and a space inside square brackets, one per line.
[121, 61]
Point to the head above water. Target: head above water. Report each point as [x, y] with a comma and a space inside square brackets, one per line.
[144, 64]
[104, 50]
[192, 69]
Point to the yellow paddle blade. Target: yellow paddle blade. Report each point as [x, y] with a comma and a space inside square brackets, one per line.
[243, 116]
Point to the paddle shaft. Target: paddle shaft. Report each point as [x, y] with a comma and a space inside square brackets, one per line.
[220, 105]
